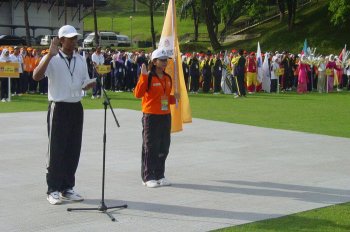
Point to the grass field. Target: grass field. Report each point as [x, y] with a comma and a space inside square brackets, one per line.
[329, 219]
[326, 114]
[315, 113]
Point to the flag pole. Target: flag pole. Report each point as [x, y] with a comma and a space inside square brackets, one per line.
[175, 51]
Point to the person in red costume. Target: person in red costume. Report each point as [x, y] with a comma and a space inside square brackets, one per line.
[332, 66]
[302, 75]
[252, 82]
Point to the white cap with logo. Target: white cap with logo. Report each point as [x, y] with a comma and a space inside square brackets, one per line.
[67, 31]
[159, 54]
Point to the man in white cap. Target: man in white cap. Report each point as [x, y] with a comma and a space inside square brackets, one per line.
[67, 75]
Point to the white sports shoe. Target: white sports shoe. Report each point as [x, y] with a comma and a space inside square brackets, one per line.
[54, 198]
[71, 195]
[151, 184]
[164, 182]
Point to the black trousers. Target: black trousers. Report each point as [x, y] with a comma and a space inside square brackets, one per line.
[239, 85]
[155, 145]
[16, 84]
[65, 128]
[273, 86]
[4, 88]
[217, 81]
[194, 82]
[206, 83]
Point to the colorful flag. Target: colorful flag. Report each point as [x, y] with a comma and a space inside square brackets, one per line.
[259, 63]
[266, 83]
[342, 54]
[304, 51]
[181, 112]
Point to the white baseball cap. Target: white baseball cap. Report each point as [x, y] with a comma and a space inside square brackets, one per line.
[159, 54]
[67, 31]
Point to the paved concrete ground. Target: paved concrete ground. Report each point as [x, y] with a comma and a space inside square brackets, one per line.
[223, 174]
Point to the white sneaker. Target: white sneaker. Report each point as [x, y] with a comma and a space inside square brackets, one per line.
[71, 195]
[164, 182]
[54, 198]
[3, 100]
[151, 184]
[92, 97]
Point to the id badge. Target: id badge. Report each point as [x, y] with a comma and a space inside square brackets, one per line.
[164, 103]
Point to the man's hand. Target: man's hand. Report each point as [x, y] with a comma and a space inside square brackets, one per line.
[89, 86]
[54, 47]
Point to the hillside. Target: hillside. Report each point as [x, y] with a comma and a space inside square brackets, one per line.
[312, 23]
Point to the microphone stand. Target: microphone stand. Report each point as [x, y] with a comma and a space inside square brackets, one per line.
[103, 207]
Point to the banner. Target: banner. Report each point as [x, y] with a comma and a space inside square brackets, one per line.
[181, 112]
[259, 64]
[9, 70]
[103, 69]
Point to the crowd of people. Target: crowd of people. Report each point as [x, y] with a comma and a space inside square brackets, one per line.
[28, 58]
[240, 72]
[236, 72]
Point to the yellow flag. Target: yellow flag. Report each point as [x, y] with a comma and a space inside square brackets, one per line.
[181, 112]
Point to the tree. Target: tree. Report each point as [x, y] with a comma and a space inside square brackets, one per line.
[97, 36]
[292, 7]
[194, 6]
[152, 5]
[208, 6]
[134, 6]
[26, 22]
[281, 8]
[340, 10]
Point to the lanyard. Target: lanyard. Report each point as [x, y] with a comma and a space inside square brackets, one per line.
[164, 86]
[68, 64]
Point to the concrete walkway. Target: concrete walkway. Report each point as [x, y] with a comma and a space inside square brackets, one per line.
[223, 174]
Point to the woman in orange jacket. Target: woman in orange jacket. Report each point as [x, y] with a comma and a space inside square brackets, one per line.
[154, 87]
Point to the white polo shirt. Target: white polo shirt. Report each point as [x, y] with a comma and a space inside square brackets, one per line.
[18, 59]
[65, 79]
[98, 58]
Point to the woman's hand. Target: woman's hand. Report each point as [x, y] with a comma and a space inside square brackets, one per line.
[144, 69]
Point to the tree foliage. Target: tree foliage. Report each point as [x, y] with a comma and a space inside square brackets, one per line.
[340, 12]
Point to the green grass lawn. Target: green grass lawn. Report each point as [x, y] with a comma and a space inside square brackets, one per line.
[315, 113]
[329, 219]
[141, 24]
[326, 114]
